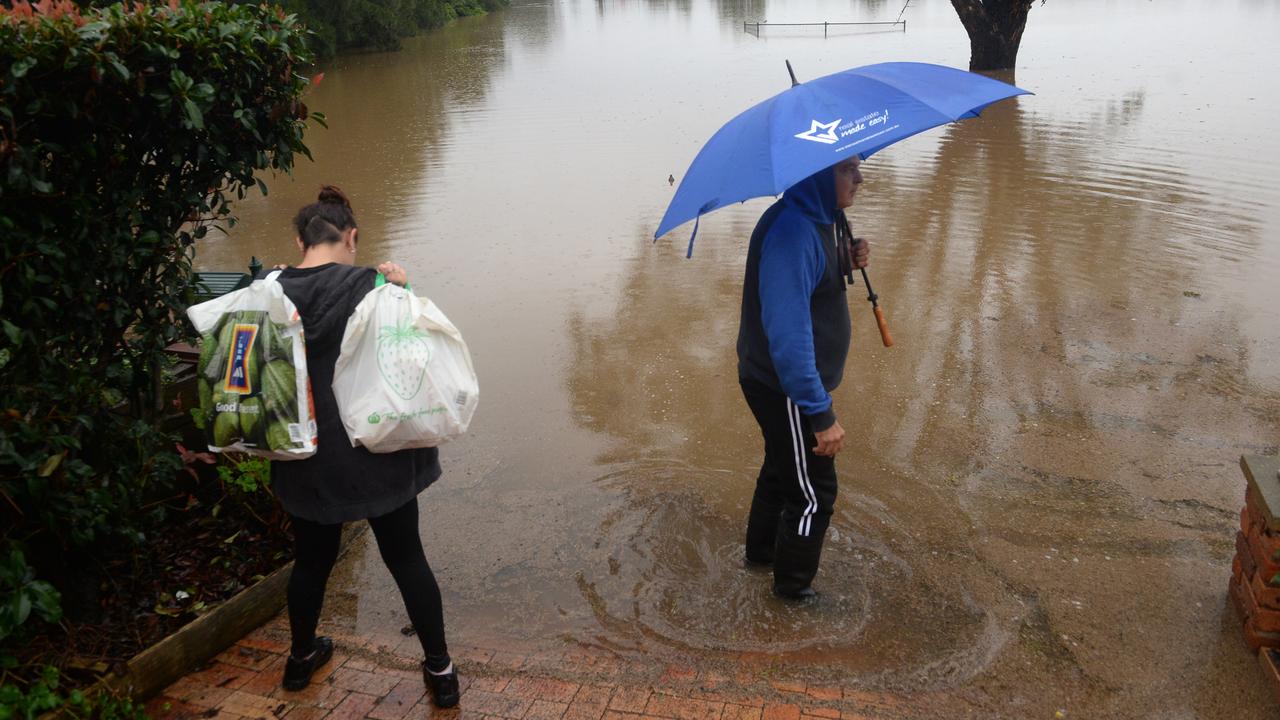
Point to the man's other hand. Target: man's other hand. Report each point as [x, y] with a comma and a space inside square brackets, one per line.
[861, 252]
[830, 440]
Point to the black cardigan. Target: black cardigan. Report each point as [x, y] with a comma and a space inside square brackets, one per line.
[340, 483]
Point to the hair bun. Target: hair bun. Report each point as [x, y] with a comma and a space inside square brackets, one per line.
[331, 194]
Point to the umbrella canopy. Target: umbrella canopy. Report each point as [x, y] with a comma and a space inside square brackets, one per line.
[785, 139]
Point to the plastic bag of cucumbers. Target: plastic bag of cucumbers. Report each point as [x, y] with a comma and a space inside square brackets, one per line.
[252, 374]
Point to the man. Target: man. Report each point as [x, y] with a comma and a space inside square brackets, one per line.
[793, 338]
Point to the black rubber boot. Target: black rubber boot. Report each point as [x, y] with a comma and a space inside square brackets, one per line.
[762, 531]
[444, 688]
[795, 565]
[298, 672]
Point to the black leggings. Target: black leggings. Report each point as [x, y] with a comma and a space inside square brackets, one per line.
[316, 549]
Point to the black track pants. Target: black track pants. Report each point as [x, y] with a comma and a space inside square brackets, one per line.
[316, 549]
[795, 491]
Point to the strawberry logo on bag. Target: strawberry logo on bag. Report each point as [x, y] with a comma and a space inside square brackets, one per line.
[403, 355]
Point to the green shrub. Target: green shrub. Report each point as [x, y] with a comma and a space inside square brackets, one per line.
[44, 694]
[378, 24]
[125, 132]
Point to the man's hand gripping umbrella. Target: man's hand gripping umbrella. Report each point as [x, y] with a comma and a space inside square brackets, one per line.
[856, 252]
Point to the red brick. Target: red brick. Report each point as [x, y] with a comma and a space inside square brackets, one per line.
[774, 711]
[788, 686]
[369, 683]
[1256, 639]
[1267, 542]
[247, 657]
[262, 641]
[220, 674]
[424, 710]
[546, 710]
[821, 712]
[248, 705]
[683, 708]
[733, 711]
[491, 703]
[355, 707]
[324, 672]
[632, 700]
[168, 708]
[612, 667]
[317, 694]
[400, 700]
[1264, 619]
[870, 699]
[194, 692]
[473, 655]
[266, 680]
[1244, 555]
[678, 674]
[507, 661]
[542, 689]
[818, 692]
[490, 684]
[307, 712]
[1262, 561]
[1265, 595]
[1269, 659]
[360, 662]
[589, 703]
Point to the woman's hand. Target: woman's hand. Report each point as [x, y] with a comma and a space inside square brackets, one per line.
[393, 273]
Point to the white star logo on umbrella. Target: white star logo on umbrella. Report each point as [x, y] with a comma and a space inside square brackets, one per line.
[826, 137]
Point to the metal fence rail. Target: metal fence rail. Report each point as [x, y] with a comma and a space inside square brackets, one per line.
[753, 28]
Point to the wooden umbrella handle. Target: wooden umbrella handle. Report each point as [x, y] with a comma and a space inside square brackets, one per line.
[884, 327]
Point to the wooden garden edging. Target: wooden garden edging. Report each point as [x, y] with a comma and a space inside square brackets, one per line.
[200, 640]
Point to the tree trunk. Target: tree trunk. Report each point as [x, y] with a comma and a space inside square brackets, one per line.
[995, 31]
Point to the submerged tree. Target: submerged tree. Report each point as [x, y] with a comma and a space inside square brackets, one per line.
[995, 30]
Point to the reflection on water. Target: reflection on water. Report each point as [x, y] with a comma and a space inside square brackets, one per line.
[1036, 509]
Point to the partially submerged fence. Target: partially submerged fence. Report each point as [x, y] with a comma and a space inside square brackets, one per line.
[754, 28]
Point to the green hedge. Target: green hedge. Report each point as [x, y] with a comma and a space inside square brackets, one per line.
[125, 132]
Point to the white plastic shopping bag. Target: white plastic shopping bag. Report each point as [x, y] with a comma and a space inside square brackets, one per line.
[404, 377]
[255, 394]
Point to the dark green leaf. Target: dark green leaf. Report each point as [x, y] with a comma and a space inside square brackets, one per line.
[12, 332]
[22, 66]
[193, 114]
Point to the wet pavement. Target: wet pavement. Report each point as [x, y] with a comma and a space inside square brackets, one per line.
[1037, 510]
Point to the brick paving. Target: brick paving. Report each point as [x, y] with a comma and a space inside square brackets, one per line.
[367, 680]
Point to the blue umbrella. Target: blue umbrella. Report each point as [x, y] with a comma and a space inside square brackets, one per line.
[816, 124]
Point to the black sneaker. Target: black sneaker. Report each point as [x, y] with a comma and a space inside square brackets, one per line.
[298, 672]
[444, 688]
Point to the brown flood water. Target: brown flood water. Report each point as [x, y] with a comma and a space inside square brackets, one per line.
[1037, 510]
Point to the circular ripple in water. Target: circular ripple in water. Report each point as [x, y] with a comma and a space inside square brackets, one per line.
[672, 575]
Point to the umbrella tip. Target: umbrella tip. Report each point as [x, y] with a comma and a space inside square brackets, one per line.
[792, 73]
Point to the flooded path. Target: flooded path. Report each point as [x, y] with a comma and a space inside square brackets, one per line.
[1038, 508]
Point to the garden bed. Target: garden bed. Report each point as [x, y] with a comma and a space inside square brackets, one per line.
[205, 547]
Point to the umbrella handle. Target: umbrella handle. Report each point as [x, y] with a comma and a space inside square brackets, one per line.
[883, 325]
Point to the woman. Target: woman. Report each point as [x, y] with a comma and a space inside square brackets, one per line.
[341, 483]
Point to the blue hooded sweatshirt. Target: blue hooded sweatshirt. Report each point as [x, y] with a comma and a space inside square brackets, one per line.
[794, 333]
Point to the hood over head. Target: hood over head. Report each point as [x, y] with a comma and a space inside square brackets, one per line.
[815, 196]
